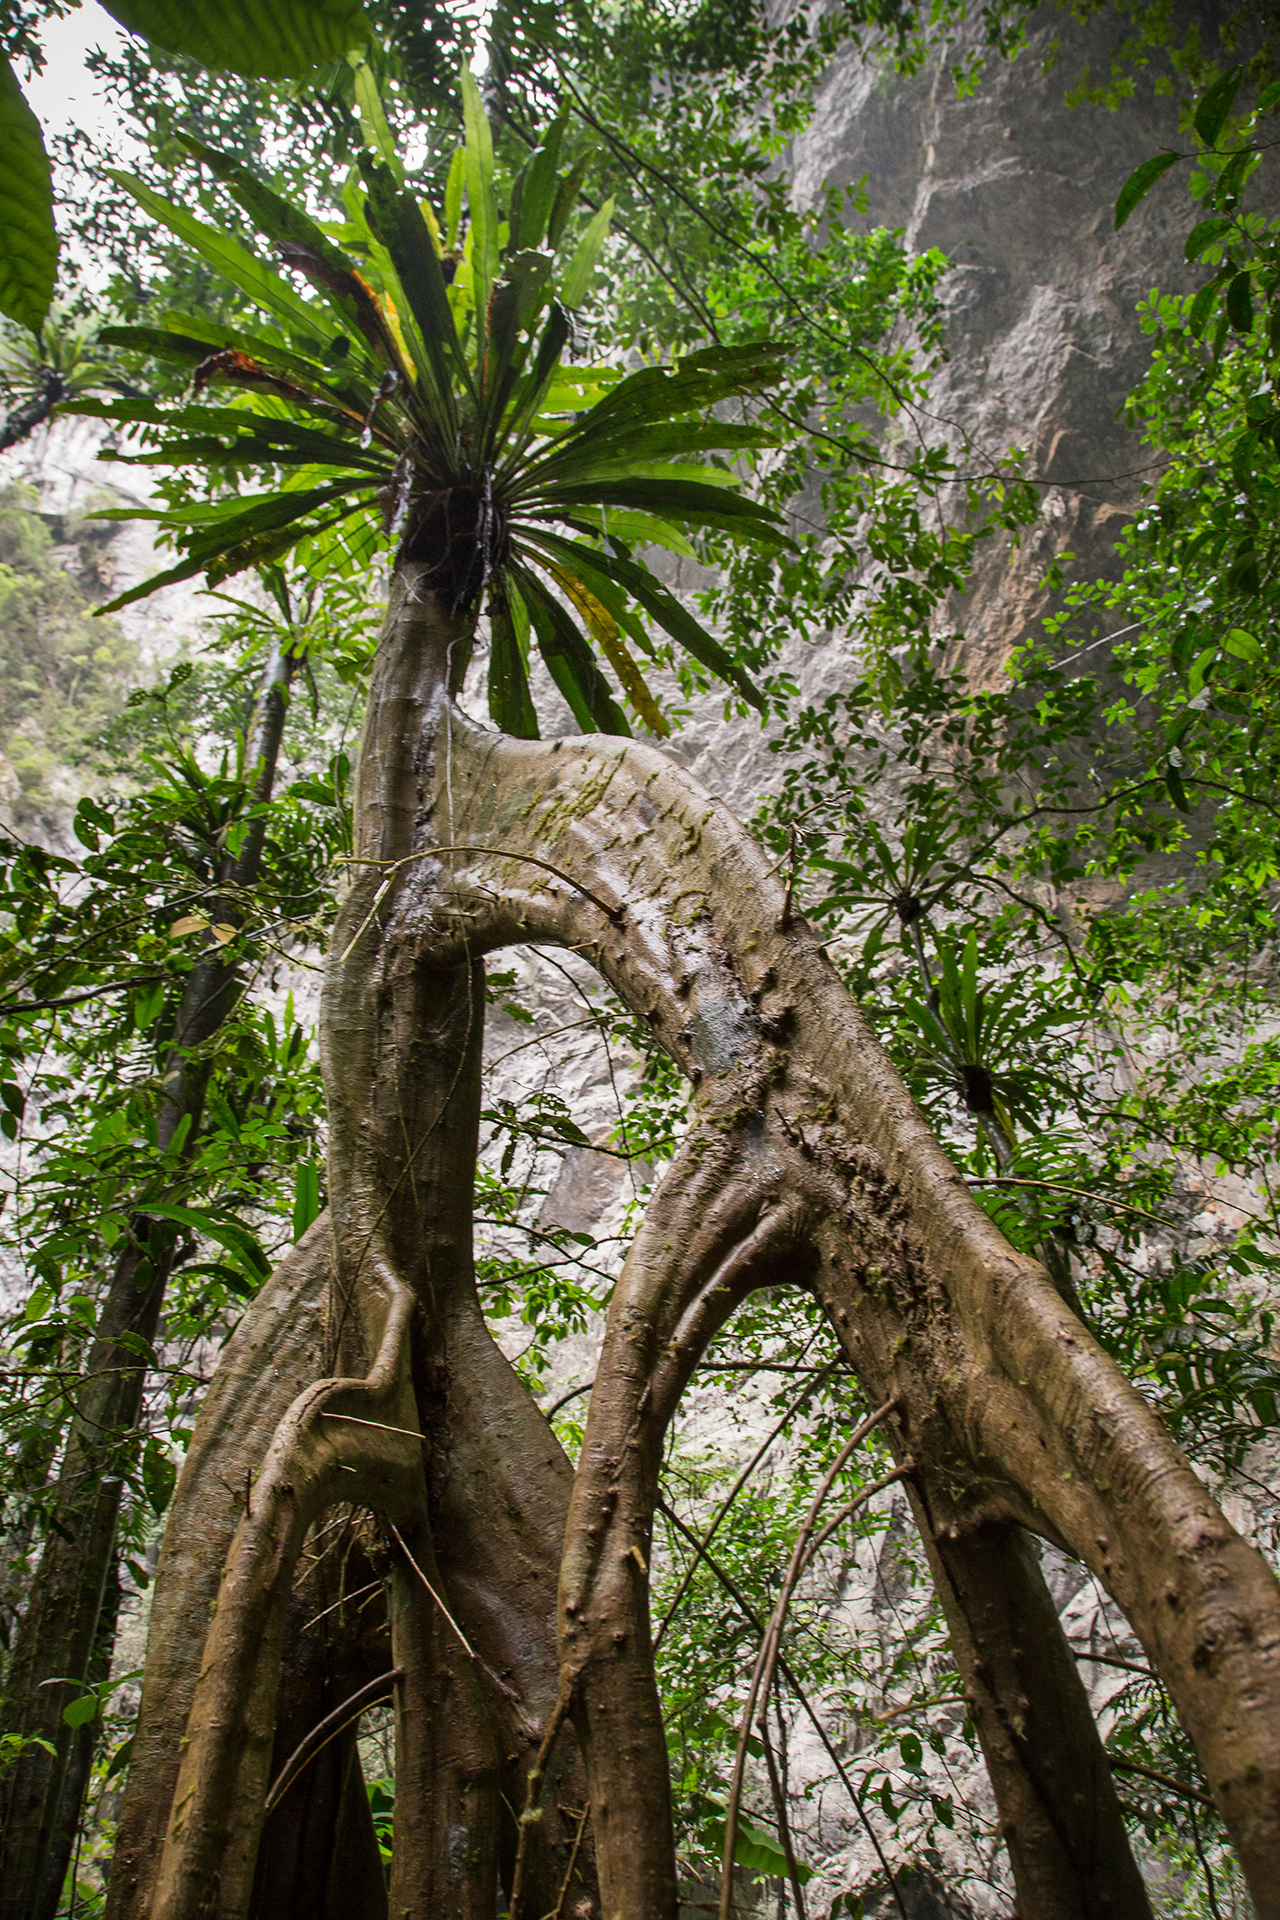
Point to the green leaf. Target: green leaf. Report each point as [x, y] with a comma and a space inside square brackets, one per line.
[1177, 792]
[230, 1234]
[265, 39]
[510, 702]
[1140, 181]
[1202, 237]
[1240, 303]
[670, 614]
[278, 218]
[400, 226]
[81, 1711]
[1212, 112]
[687, 502]
[159, 1475]
[570, 662]
[226, 256]
[480, 198]
[538, 188]
[28, 241]
[1268, 98]
[306, 1197]
[577, 278]
[373, 121]
[566, 199]
[1202, 305]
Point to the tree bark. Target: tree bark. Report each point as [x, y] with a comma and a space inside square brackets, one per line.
[461, 1458]
[1059, 1812]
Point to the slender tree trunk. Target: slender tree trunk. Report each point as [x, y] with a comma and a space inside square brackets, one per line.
[60, 1626]
[1059, 1812]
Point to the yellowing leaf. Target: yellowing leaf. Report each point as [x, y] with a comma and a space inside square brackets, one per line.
[222, 932]
[614, 647]
[189, 923]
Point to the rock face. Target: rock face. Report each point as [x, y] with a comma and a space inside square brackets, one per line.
[1018, 190]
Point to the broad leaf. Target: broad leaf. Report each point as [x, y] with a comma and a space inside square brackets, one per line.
[28, 242]
[1213, 111]
[1140, 182]
[577, 278]
[265, 39]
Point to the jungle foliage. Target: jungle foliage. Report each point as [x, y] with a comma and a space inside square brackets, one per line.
[1064, 933]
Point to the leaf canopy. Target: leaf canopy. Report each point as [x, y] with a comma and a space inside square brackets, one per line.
[418, 390]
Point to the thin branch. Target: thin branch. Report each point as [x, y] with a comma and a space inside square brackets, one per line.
[754, 1621]
[792, 1409]
[558, 1909]
[533, 1787]
[1109, 1660]
[1055, 1186]
[1161, 1780]
[780, 1808]
[477, 1660]
[762, 1678]
[574, 1393]
[326, 1730]
[316, 1618]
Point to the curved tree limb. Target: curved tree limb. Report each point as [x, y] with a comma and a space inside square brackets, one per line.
[1006, 1398]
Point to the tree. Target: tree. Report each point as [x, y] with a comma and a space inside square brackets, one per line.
[165, 922]
[807, 1166]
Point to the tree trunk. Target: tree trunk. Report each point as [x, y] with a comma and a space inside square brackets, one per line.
[808, 1165]
[60, 1625]
[464, 1459]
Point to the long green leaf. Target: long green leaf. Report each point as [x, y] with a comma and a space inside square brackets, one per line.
[687, 502]
[373, 121]
[510, 702]
[570, 662]
[397, 220]
[577, 277]
[227, 257]
[278, 218]
[199, 337]
[272, 514]
[28, 240]
[480, 197]
[592, 450]
[538, 189]
[662, 606]
[697, 380]
[265, 39]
